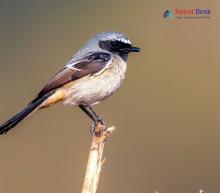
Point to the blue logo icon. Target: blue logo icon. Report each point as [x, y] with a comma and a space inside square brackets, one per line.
[168, 14]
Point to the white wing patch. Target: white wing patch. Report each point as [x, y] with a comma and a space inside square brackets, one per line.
[71, 66]
[106, 66]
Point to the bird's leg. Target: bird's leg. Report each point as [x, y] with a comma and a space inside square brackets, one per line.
[91, 113]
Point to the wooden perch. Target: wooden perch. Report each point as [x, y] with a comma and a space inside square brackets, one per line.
[95, 161]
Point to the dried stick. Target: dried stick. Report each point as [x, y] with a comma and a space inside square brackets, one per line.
[95, 161]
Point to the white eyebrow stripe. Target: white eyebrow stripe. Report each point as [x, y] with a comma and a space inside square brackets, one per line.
[127, 41]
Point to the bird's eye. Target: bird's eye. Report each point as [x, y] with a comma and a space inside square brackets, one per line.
[114, 44]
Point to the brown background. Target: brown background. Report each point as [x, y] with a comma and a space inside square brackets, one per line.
[166, 113]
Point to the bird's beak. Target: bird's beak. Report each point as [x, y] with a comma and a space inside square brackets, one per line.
[130, 49]
[134, 49]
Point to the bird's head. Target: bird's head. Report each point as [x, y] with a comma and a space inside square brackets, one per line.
[115, 43]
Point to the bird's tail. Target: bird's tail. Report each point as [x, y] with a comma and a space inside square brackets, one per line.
[31, 107]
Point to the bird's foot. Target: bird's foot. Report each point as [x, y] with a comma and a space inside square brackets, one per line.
[98, 127]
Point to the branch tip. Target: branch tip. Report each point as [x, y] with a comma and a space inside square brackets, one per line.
[95, 161]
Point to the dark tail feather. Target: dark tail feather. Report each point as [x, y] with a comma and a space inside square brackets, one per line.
[34, 105]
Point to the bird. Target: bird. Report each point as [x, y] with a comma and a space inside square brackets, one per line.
[93, 74]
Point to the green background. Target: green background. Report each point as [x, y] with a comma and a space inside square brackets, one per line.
[166, 113]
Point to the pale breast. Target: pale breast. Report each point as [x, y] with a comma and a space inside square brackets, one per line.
[93, 89]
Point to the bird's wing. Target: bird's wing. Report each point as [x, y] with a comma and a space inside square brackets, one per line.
[91, 64]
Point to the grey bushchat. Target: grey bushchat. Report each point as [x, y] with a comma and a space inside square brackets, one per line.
[93, 74]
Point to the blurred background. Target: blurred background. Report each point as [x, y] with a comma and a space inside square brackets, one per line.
[167, 112]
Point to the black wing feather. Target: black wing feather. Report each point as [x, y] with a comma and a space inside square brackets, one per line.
[91, 64]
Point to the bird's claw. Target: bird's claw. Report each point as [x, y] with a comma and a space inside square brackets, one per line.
[98, 127]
